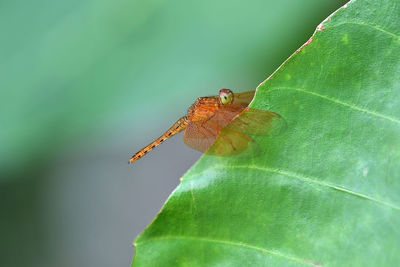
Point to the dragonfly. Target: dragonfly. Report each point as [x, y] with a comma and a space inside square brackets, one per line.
[219, 125]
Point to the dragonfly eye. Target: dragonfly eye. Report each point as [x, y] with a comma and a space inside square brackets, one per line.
[226, 96]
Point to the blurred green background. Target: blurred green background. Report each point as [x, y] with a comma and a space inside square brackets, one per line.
[85, 84]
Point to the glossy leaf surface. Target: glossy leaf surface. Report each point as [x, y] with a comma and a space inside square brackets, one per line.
[327, 190]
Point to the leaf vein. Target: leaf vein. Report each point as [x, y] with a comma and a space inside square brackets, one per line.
[369, 26]
[316, 181]
[232, 243]
[339, 102]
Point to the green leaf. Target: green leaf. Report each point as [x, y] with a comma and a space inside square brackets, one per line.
[327, 190]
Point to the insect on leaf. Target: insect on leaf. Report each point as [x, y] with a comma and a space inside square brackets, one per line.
[325, 192]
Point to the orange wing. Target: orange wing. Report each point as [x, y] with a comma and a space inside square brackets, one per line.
[256, 122]
[201, 135]
[226, 132]
[206, 138]
[243, 98]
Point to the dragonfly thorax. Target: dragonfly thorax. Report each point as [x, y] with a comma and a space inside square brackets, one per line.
[203, 108]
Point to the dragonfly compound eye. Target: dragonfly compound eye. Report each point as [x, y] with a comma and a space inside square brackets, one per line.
[226, 96]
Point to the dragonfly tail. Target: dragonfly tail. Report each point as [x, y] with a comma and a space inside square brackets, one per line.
[179, 126]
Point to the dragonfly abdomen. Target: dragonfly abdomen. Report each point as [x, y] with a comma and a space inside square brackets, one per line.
[179, 126]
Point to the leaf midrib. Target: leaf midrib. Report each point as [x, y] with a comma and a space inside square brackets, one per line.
[368, 26]
[231, 244]
[308, 179]
[339, 102]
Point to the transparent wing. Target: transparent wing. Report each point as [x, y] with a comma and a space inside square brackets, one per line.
[243, 98]
[226, 132]
[230, 142]
[206, 138]
[257, 122]
[201, 135]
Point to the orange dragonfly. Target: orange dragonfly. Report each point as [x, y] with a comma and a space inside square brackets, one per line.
[218, 125]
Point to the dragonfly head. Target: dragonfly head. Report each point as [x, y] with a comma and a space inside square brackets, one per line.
[225, 96]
